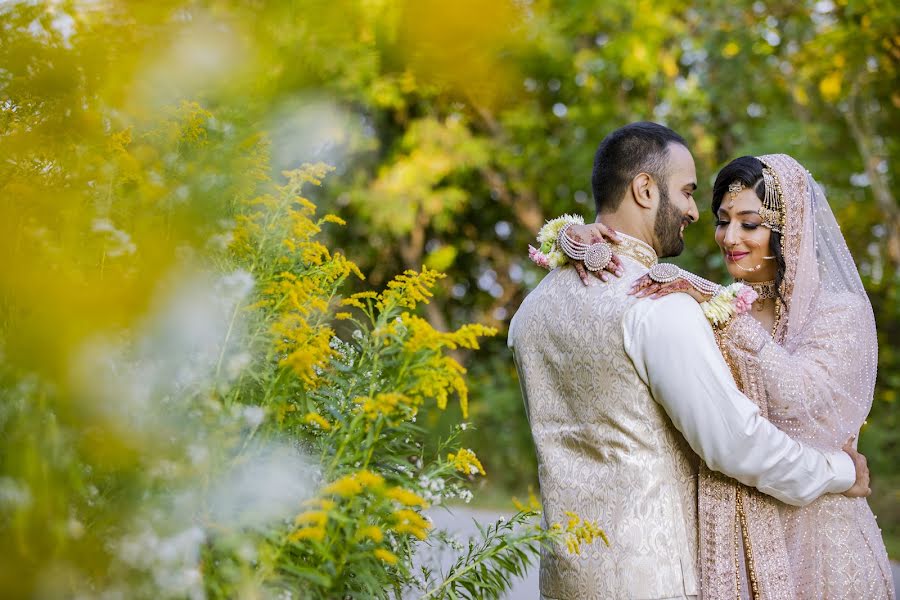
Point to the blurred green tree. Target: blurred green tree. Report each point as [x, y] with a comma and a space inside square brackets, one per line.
[458, 128]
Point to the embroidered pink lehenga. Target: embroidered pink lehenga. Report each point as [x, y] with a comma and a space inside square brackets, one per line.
[813, 377]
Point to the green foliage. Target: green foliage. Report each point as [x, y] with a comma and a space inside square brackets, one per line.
[505, 550]
[456, 129]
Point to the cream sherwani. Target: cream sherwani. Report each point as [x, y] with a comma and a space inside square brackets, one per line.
[622, 395]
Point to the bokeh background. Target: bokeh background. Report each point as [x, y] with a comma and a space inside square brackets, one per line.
[455, 130]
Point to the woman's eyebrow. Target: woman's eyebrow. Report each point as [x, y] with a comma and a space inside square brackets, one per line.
[722, 211]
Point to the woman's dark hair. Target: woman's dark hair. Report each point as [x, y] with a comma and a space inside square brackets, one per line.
[748, 170]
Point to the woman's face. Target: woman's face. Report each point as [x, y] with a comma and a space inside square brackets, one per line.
[743, 239]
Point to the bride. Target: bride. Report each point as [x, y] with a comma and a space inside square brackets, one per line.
[806, 353]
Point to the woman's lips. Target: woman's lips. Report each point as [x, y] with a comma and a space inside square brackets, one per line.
[735, 256]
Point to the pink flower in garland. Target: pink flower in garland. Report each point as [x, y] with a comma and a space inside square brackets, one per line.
[744, 299]
[538, 257]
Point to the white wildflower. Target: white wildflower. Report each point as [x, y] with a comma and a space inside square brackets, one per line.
[121, 241]
[253, 416]
[14, 494]
[74, 528]
[236, 364]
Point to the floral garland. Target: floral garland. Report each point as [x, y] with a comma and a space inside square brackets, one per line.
[549, 256]
[729, 301]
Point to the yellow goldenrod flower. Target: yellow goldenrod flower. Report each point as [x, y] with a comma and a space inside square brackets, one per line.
[579, 532]
[412, 530]
[355, 484]
[385, 556]
[317, 419]
[409, 289]
[357, 299]
[332, 219]
[314, 253]
[344, 266]
[405, 497]
[368, 479]
[308, 533]
[467, 335]
[422, 336]
[307, 205]
[533, 505]
[365, 295]
[323, 503]
[466, 462]
[411, 522]
[342, 316]
[345, 487]
[308, 349]
[370, 532]
[353, 302]
[385, 405]
[436, 378]
[316, 518]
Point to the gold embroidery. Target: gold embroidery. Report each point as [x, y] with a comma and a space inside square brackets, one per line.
[636, 250]
[748, 547]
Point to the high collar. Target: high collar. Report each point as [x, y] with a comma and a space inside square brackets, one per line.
[635, 249]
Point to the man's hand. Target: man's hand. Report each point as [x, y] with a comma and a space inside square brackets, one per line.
[861, 487]
[594, 233]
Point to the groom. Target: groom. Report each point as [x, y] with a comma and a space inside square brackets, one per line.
[623, 395]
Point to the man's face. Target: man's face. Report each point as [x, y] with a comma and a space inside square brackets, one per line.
[676, 209]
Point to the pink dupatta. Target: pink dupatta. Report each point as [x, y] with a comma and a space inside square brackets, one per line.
[814, 379]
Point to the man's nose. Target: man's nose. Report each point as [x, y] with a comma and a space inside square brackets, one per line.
[693, 213]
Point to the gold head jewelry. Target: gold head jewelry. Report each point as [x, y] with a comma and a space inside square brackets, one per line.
[734, 188]
[772, 211]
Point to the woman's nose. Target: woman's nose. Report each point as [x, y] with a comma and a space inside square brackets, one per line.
[731, 237]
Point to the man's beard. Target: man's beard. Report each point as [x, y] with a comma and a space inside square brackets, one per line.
[667, 227]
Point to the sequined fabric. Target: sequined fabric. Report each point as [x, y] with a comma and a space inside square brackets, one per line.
[605, 448]
[815, 379]
[742, 555]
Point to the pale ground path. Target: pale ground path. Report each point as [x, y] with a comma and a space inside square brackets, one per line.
[462, 522]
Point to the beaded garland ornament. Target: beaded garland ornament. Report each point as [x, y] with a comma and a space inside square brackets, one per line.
[595, 256]
[549, 255]
[726, 302]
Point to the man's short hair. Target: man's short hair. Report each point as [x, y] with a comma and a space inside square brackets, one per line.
[641, 147]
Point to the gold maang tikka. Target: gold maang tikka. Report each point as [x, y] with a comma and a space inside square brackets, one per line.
[734, 188]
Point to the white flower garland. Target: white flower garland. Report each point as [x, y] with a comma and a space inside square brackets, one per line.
[549, 256]
[730, 301]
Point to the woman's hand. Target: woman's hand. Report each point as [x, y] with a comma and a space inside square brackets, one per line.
[595, 233]
[645, 286]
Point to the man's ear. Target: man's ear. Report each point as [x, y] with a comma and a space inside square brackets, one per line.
[643, 188]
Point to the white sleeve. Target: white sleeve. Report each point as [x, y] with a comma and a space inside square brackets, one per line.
[675, 353]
